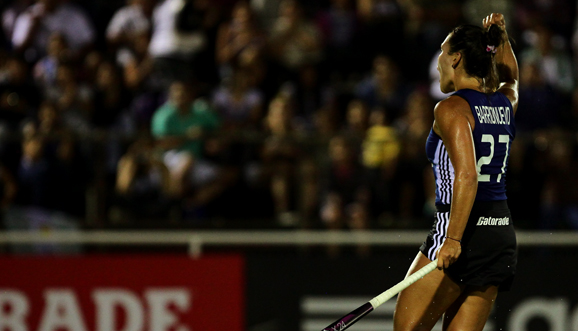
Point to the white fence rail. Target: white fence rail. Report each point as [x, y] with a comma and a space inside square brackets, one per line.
[196, 240]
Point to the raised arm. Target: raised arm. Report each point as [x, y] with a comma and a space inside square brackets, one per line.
[506, 62]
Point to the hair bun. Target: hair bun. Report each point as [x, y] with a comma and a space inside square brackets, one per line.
[494, 36]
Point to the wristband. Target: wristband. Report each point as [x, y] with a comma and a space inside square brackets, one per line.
[454, 239]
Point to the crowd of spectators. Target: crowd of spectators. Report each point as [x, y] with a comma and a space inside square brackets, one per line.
[262, 113]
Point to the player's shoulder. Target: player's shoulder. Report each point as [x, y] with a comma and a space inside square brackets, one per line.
[453, 104]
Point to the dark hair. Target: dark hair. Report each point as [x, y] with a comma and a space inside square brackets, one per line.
[476, 45]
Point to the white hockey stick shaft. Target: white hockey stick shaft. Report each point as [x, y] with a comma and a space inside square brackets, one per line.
[388, 294]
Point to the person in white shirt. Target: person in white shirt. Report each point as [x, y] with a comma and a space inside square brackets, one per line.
[173, 49]
[34, 26]
[129, 21]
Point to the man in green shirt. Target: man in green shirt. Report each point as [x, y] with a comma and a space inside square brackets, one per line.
[178, 126]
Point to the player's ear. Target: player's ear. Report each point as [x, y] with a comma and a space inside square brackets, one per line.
[456, 59]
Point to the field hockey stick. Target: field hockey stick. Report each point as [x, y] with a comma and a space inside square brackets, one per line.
[354, 316]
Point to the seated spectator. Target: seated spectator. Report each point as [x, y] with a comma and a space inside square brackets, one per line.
[559, 197]
[309, 93]
[110, 97]
[280, 158]
[380, 18]
[8, 189]
[137, 64]
[88, 66]
[18, 97]
[50, 124]
[343, 185]
[33, 174]
[383, 88]
[294, 40]
[239, 41]
[73, 100]
[142, 188]
[554, 63]
[345, 197]
[57, 53]
[178, 126]
[325, 121]
[38, 22]
[415, 199]
[380, 154]
[339, 26]
[67, 167]
[239, 104]
[356, 121]
[541, 101]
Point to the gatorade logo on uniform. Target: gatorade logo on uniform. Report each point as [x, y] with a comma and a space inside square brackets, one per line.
[493, 221]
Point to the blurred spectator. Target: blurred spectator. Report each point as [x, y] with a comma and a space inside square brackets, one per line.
[33, 174]
[73, 100]
[51, 188]
[240, 42]
[87, 68]
[57, 53]
[380, 153]
[129, 22]
[343, 186]
[294, 40]
[178, 127]
[67, 170]
[554, 63]
[357, 120]
[572, 119]
[339, 27]
[266, 12]
[415, 199]
[281, 155]
[239, 104]
[178, 38]
[18, 97]
[8, 189]
[383, 88]
[110, 97]
[69, 175]
[34, 26]
[129, 34]
[10, 14]
[50, 123]
[142, 189]
[541, 102]
[380, 18]
[345, 197]
[326, 122]
[434, 76]
[137, 64]
[559, 199]
[474, 9]
[309, 93]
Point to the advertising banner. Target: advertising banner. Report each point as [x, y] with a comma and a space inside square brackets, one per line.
[309, 292]
[122, 293]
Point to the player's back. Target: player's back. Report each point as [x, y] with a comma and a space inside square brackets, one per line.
[493, 134]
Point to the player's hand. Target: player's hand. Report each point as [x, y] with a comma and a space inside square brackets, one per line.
[495, 18]
[449, 253]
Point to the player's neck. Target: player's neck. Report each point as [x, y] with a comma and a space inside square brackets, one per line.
[471, 83]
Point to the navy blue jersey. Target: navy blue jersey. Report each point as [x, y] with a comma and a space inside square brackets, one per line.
[493, 136]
